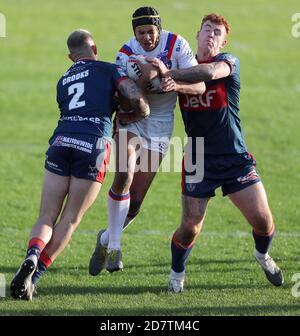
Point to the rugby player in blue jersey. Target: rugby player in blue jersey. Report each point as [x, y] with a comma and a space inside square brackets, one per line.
[214, 116]
[78, 155]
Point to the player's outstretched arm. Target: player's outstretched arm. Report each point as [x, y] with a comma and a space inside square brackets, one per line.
[201, 72]
[168, 84]
[171, 84]
[137, 98]
[198, 73]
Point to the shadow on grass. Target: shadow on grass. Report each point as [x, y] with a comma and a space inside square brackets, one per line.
[138, 290]
[191, 261]
[46, 291]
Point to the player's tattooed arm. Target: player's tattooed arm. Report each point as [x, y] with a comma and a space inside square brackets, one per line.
[168, 84]
[198, 73]
[202, 72]
[136, 97]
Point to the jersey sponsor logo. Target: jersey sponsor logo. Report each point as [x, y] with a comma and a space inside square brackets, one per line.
[76, 77]
[178, 46]
[52, 164]
[189, 53]
[73, 143]
[215, 97]
[76, 118]
[163, 56]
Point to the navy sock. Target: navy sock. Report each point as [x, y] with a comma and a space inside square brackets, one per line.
[41, 268]
[43, 263]
[263, 243]
[179, 255]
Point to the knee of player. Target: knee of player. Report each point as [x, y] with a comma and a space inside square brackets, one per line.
[187, 234]
[47, 219]
[263, 224]
[122, 181]
[262, 219]
[191, 226]
[70, 221]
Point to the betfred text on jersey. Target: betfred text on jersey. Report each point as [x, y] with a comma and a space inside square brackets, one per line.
[199, 101]
[214, 98]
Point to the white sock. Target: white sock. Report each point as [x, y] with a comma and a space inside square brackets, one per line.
[105, 236]
[261, 255]
[177, 276]
[118, 206]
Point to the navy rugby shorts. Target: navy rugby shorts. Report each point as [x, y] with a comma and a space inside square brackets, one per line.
[232, 172]
[80, 155]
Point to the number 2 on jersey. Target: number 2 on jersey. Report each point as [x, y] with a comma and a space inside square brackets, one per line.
[77, 90]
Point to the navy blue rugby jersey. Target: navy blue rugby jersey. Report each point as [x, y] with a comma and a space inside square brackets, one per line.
[85, 97]
[214, 115]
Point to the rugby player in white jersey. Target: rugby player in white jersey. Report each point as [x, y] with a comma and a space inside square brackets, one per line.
[146, 141]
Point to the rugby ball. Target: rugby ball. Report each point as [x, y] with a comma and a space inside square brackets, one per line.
[134, 72]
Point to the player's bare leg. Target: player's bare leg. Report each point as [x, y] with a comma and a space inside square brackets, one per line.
[119, 196]
[253, 203]
[55, 188]
[193, 215]
[118, 204]
[126, 156]
[142, 181]
[150, 162]
[82, 194]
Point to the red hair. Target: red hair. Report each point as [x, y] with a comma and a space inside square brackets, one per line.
[217, 19]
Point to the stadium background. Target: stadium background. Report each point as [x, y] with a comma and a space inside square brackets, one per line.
[222, 276]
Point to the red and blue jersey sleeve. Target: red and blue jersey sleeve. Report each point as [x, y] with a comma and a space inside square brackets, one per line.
[231, 60]
[123, 55]
[119, 75]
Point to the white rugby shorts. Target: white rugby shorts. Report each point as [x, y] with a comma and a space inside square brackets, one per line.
[155, 134]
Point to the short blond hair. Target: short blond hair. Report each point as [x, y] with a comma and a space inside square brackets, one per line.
[80, 41]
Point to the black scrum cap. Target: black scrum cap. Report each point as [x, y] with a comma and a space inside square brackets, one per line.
[146, 16]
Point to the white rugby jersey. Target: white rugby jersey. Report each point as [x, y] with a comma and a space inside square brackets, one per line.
[176, 53]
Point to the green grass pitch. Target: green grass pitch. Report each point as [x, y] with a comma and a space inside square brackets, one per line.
[222, 276]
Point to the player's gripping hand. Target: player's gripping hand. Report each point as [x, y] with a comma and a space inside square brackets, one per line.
[160, 65]
[168, 84]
